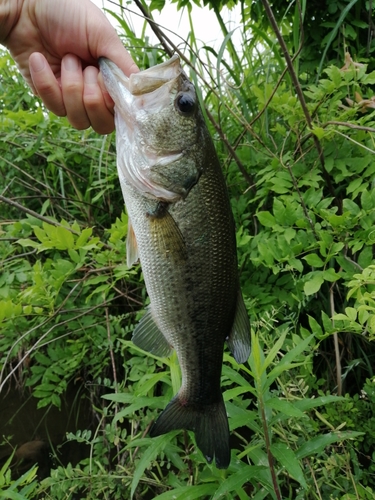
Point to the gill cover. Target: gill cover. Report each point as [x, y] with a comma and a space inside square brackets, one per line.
[143, 110]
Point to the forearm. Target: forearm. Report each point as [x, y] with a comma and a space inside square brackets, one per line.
[9, 13]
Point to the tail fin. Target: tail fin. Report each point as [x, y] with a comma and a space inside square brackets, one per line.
[209, 423]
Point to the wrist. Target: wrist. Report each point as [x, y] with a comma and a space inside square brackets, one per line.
[9, 13]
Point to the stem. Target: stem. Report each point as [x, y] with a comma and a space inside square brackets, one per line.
[337, 347]
[232, 151]
[268, 448]
[114, 373]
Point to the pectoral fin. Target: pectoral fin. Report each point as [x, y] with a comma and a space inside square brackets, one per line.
[131, 246]
[239, 337]
[167, 235]
[148, 336]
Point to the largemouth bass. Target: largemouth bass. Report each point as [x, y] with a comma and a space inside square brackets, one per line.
[181, 228]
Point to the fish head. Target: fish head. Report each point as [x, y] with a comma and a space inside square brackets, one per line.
[159, 129]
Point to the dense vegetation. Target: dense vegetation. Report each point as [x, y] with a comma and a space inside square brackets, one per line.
[292, 116]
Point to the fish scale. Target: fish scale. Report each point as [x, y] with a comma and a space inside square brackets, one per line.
[182, 230]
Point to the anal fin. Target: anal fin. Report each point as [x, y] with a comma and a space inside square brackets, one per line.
[149, 337]
[239, 337]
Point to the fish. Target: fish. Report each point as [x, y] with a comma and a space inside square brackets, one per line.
[181, 228]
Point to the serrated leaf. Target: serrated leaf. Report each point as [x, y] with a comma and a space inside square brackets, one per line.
[83, 237]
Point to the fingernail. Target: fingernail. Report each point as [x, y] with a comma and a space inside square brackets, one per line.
[37, 62]
[70, 63]
[90, 75]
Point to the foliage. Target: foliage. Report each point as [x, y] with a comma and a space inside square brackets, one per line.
[298, 155]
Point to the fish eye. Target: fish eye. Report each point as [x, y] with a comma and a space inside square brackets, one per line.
[185, 103]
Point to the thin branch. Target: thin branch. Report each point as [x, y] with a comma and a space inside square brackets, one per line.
[155, 28]
[26, 210]
[337, 347]
[232, 152]
[349, 125]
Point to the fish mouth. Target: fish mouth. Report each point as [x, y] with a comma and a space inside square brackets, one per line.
[140, 162]
[145, 81]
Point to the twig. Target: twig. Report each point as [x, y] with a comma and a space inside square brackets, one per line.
[233, 153]
[110, 349]
[314, 479]
[155, 28]
[114, 373]
[19, 256]
[20, 207]
[336, 344]
[349, 125]
[42, 218]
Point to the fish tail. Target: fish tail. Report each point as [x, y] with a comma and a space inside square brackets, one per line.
[209, 423]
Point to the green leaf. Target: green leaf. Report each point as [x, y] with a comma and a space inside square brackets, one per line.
[236, 480]
[64, 238]
[306, 404]
[351, 312]
[288, 459]
[330, 275]
[188, 492]
[317, 444]
[148, 456]
[319, 132]
[284, 407]
[286, 362]
[274, 350]
[11, 495]
[313, 260]
[313, 285]
[266, 219]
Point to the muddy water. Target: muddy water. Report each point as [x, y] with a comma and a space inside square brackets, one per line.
[39, 435]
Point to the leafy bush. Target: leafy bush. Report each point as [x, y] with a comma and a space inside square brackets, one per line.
[298, 155]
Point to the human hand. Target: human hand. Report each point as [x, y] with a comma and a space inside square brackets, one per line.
[56, 45]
